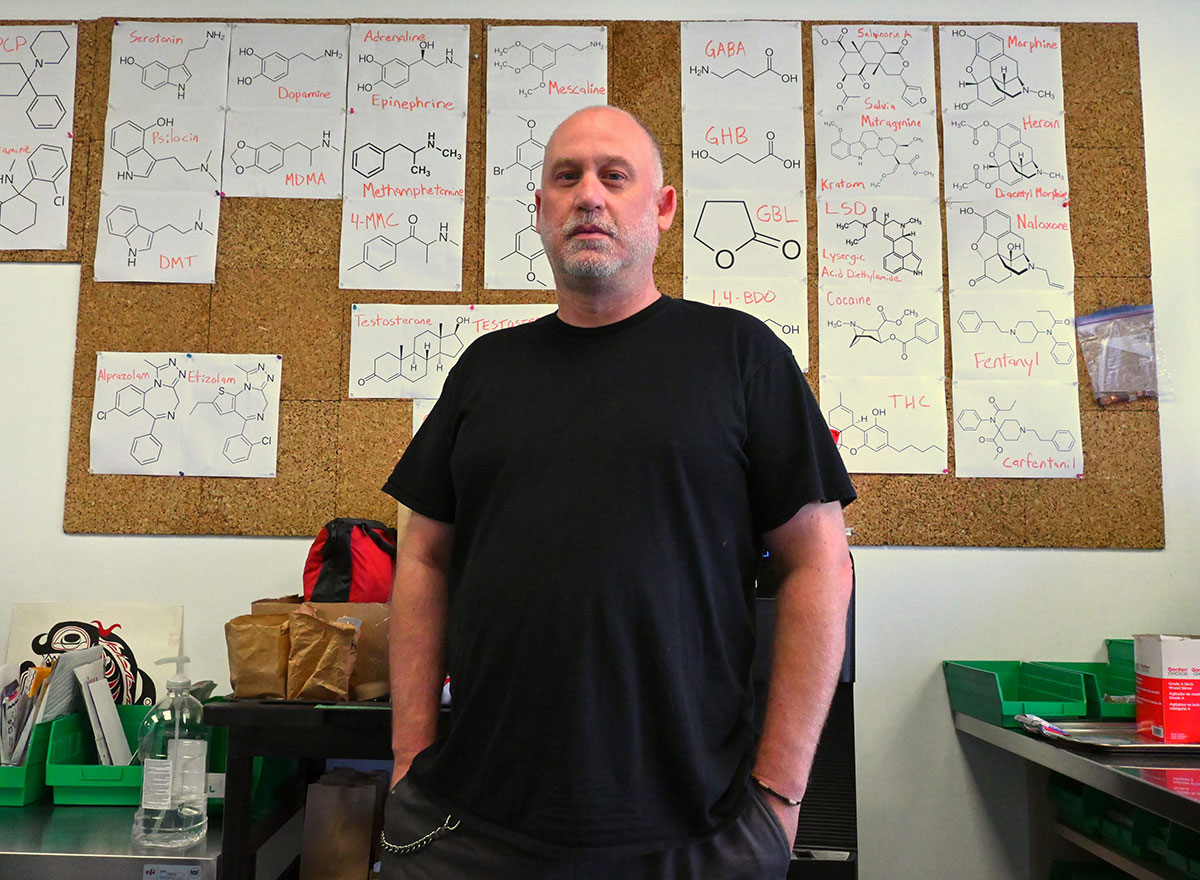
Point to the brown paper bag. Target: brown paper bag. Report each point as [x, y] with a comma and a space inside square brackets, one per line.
[322, 657]
[258, 646]
[341, 822]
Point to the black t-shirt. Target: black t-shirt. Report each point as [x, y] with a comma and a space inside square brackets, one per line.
[608, 487]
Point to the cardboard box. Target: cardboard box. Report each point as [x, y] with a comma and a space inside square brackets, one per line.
[1167, 668]
[371, 670]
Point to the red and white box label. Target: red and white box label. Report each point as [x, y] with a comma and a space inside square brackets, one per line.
[1168, 687]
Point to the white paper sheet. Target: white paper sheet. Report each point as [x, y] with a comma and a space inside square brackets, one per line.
[873, 68]
[283, 153]
[872, 155]
[867, 331]
[286, 125]
[173, 64]
[888, 425]
[877, 241]
[781, 303]
[422, 407]
[405, 157]
[744, 205]
[1017, 429]
[389, 245]
[199, 414]
[177, 149]
[1008, 159]
[1016, 247]
[152, 236]
[731, 234]
[1016, 69]
[400, 351]
[37, 107]
[1013, 336]
[536, 78]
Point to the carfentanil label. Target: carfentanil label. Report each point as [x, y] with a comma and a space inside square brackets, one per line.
[156, 784]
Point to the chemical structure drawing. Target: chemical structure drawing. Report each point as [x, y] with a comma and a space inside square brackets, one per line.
[368, 159]
[47, 166]
[994, 75]
[858, 432]
[1012, 160]
[128, 140]
[271, 157]
[158, 401]
[1039, 329]
[395, 72]
[905, 330]
[902, 257]
[787, 163]
[275, 66]
[46, 110]
[528, 155]
[1000, 425]
[430, 350]
[1003, 251]
[540, 57]
[725, 227]
[893, 154]
[156, 75]
[122, 221]
[250, 404]
[861, 62]
[768, 68]
[527, 244]
[381, 252]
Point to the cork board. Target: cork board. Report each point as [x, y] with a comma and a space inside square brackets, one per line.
[276, 290]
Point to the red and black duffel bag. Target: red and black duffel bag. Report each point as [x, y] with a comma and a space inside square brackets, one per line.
[351, 560]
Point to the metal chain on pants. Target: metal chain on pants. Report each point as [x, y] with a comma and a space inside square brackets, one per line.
[405, 849]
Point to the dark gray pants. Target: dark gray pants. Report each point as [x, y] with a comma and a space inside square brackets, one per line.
[439, 847]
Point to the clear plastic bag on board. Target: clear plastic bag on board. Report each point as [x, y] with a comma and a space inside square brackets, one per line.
[1118, 348]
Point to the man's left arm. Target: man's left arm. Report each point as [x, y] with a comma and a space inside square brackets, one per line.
[810, 640]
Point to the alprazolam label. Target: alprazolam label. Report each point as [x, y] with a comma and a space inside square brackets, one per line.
[1167, 668]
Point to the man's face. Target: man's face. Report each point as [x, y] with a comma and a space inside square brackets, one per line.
[601, 206]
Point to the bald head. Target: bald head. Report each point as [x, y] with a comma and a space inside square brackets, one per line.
[600, 110]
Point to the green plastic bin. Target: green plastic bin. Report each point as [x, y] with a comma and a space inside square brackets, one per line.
[25, 784]
[71, 762]
[1183, 850]
[1077, 805]
[997, 690]
[1100, 679]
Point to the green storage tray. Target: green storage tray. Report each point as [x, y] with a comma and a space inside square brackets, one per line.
[1183, 850]
[1100, 679]
[1077, 805]
[71, 768]
[997, 690]
[25, 784]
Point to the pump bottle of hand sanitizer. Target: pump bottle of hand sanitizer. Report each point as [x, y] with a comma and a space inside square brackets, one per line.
[173, 750]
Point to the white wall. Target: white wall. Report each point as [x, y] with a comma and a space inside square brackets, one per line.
[930, 804]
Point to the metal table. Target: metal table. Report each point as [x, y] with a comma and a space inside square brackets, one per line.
[93, 843]
[1165, 784]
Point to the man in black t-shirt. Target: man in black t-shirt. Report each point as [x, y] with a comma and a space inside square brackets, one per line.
[589, 499]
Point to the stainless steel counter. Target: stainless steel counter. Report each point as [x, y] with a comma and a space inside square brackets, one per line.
[93, 843]
[1164, 784]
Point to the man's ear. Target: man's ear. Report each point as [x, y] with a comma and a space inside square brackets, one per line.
[668, 201]
[537, 206]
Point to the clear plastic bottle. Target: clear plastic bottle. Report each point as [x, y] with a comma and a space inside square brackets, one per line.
[173, 751]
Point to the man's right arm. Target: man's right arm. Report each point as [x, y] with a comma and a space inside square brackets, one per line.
[417, 635]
